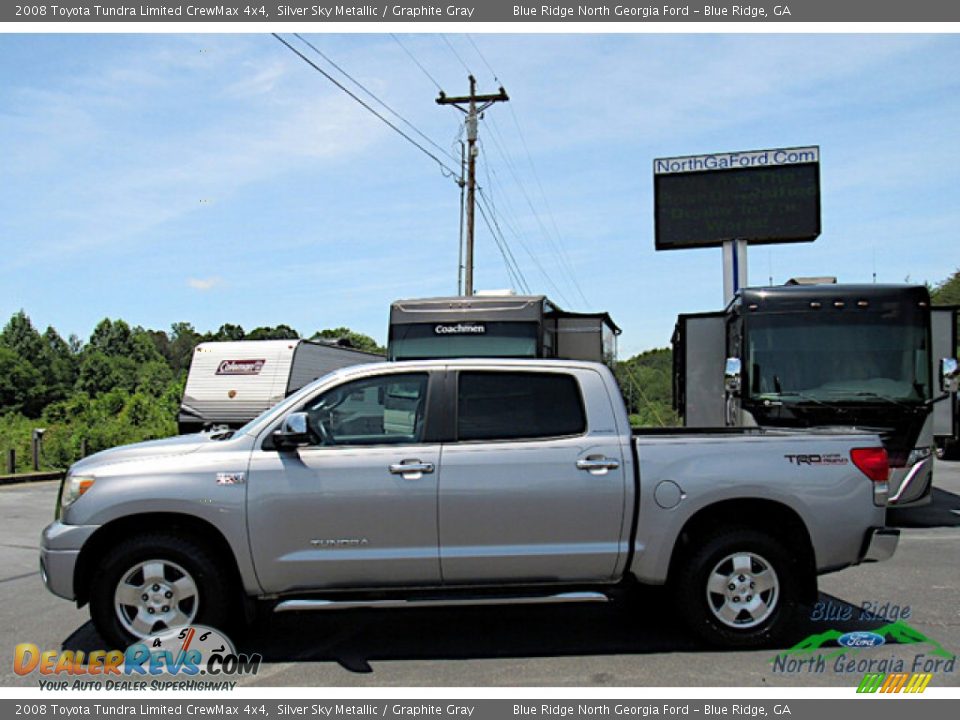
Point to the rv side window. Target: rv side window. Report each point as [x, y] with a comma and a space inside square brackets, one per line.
[375, 411]
[514, 406]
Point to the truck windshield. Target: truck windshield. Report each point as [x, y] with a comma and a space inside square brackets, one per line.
[857, 357]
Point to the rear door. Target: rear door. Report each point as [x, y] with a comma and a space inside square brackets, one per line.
[533, 485]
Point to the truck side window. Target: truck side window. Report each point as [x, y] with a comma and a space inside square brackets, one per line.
[383, 410]
[518, 405]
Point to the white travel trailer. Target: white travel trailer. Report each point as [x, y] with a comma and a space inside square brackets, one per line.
[230, 383]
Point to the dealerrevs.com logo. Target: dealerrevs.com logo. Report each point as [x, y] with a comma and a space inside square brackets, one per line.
[188, 658]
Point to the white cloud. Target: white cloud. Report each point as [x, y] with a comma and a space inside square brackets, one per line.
[205, 284]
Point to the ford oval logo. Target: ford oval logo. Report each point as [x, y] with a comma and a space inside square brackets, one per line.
[861, 639]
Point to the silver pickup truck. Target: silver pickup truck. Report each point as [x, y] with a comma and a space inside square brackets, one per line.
[464, 482]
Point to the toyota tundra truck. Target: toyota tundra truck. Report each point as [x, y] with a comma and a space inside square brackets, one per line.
[464, 482]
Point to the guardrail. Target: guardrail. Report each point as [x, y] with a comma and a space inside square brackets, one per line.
[31, 477]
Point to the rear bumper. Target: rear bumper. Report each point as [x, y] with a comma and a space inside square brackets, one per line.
[880, 544]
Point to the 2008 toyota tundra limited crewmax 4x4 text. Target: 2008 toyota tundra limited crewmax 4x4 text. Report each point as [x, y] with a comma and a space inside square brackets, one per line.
[464, 481]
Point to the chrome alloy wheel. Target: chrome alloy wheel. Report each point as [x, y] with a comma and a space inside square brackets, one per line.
[155, 595]
[743, 590]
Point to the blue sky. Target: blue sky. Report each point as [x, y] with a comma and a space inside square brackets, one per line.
[217, 178]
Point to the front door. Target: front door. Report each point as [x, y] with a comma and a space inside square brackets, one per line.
[357, 507]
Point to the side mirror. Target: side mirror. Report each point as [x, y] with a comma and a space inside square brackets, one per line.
[293, 432]
[949, 375]
[731, 375]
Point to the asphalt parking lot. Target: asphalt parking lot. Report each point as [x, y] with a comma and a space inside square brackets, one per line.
[636, 643]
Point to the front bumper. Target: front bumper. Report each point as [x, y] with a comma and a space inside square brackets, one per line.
[880, 544]
[59, 549]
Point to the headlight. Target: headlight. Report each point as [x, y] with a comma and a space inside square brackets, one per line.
[73, 487]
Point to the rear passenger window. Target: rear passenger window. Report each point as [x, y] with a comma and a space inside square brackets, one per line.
[511, 406]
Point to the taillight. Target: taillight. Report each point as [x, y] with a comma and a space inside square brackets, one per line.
[872, 462]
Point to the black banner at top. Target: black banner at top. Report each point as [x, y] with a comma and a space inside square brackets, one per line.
[473, 11]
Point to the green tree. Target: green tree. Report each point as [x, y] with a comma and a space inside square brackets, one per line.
[24, 389]
[280, 332]
[97, 374]
[112, 338]
[153, 378]
[352, 338]
[142, 347]
[19, 384]
[22, 337]
[183, 339]
[646, 383]
[947, 292]
[60, 366]
[229, 332]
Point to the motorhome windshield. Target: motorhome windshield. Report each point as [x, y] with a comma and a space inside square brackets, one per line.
[855, 357]
[464, 338]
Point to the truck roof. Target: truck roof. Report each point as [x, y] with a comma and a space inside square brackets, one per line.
[485, 362]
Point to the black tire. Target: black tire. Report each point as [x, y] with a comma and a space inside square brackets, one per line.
[178, 558]
[748, 614]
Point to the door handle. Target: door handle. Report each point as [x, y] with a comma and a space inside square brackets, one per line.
[411, 469]
[597, 465]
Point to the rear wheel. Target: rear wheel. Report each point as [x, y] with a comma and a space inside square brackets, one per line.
[740, 588]
[156, 582]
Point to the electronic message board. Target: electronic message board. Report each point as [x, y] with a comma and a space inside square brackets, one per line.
[761, 196]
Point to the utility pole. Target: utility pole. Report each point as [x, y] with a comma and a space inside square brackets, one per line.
[475, 104]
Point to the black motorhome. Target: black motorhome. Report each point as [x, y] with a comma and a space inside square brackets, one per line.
[819, 355]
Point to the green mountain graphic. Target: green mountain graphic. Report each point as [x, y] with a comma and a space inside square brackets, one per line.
[898, 632]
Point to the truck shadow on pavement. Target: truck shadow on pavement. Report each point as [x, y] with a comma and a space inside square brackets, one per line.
[643, 624]
[943, 511]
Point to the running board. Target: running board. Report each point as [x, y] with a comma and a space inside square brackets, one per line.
[309, 604]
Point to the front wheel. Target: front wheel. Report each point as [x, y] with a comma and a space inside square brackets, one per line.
[740, 588]
[152, 583]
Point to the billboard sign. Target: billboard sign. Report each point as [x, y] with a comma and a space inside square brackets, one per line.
[761, 196]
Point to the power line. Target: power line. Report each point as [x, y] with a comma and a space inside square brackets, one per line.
[416, 62]
[448, 171]
[494, 212]
[516, 233]
[371, 94]
[456, 54]
[523, 191]
[557, 244]
[505, 249]
[628, 370]
[533, 258]
[484, 60]
[564, 260]
[513, 270]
